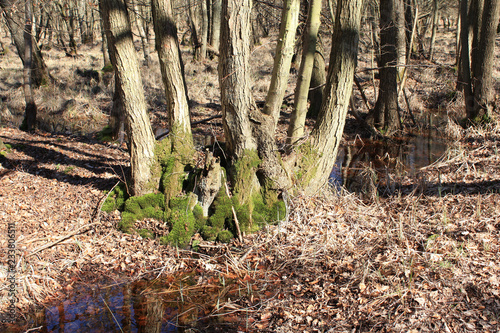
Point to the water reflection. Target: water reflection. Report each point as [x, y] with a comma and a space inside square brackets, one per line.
[149, 307]
[114, 309]
[402, 157]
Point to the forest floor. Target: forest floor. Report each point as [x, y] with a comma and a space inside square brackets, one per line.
[422, 256]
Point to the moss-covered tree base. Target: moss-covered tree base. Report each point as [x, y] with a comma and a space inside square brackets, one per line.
[254, 207]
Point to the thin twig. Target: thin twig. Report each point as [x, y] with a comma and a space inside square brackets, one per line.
[116, 321]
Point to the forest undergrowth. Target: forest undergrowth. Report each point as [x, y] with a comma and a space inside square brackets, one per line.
[418, 255]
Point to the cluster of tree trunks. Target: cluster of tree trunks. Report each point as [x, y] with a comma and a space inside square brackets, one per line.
[249, 131]
[227, 29]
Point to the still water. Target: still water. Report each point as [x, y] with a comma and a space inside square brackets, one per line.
[175, 305]
[402, 157]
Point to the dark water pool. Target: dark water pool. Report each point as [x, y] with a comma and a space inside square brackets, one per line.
[178, 305]
[402, 156]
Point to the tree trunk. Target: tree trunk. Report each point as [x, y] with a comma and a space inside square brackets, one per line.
[71, 28]
[483, 79]
[409, 19]
[195, 42]
[328, 130]
[234, 77]
[14, 17]
[385, 114]
[30, 112]
[400, 36]
[204, 29]
[298, 117]
[140, 134]
[236, 99]
[140, 23]
[283, 59]
[104, 48]
[215, 30]
[116, 120]
[465, 84]
[475, 29]
[435, 16]
[172, 69]
[318, 80]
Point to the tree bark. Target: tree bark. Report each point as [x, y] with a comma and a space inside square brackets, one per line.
[465, 84]
[234, 77]
[483, 78]
[30, 112]
[204, 29]
[328, 130]
[298, 117]
[283, 59]
[194, 30]
[400, 36]
[385, 114]
[318, 80]
[140, 134]
[475, 29]
[140, 23]
[172, 69]
[215, 30]
[435, 16]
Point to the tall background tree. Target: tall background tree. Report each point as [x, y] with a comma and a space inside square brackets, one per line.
[385, 114]
[14, 13]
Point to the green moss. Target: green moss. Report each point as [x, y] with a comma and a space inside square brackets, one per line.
[116, 199]
[127, 222]
[209, 233]
[106, 134]
[132, 206]
[244, 175]
[145, 233]
[108, 68]
[137, 208]
[195, 245]
[225, 236]
[182, 220]
[153, 213]
[163, 151]
[4, 148]
[164, 240]
[182, 227]
[306, 165]
[200, 220]
[223, 211]
[108, 205]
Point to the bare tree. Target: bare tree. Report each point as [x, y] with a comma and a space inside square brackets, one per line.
[385, 114]
[29, 122]
[15, 16]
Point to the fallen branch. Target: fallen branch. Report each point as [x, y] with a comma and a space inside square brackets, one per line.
[80, 230]
[206, 119]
